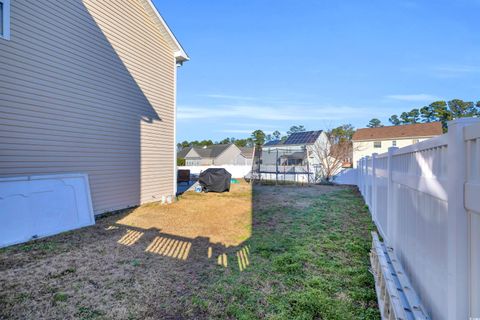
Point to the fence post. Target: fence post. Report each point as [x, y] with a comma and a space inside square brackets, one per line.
[373, 181]
[364, 179]
[365, 173]
[457, 219]
[360, 176]
[362, 183]
[367, 178]
[391, 210]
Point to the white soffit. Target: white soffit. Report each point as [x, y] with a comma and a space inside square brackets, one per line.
[180, 54]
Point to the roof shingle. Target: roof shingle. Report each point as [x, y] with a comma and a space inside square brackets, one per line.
[212, 151]
[182, 153]
[404, 131]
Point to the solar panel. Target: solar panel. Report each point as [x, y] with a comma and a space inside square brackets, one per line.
[272, 143]
[307, 137]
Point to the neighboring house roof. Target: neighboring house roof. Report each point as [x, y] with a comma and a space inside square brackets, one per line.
[247, 152]
[307, 137]
[416, 130]
[212, 151]
[179, 52]
[182, 153]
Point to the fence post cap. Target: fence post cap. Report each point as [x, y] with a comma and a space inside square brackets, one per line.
[392, 149]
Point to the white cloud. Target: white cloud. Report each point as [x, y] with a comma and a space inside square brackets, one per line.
[236, 131]
[414, 97]
[227, 97]
[455, 71]
[277, 113]
[251, 124]
[285, 99]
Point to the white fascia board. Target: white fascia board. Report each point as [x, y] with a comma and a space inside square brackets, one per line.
[179, 52]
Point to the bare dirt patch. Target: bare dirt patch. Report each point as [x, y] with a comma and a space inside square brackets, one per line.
[223, 218]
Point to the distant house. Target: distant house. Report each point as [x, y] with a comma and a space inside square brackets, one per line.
[220, 154]
[367, 141]
[247, 153]
[297, 150]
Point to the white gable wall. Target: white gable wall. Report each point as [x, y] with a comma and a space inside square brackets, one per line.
[366, 148]
[228, 156]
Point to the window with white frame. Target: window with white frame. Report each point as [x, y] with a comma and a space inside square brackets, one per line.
[5, 19]
[377, 144]
[394, 143]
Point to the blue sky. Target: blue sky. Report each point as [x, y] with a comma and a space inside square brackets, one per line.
[270, 64]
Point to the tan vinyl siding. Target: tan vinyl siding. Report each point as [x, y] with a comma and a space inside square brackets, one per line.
[228, 156]
[88, 86]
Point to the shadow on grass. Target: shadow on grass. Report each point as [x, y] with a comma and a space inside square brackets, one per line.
[198, 250]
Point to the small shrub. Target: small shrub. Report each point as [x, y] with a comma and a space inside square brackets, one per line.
[86, 313]
[180, 162]
[23, 297]
[60, 297]
[136, 262]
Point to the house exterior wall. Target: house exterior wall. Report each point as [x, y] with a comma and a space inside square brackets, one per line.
[193, 162]
[366, 148]
[192, 158]
[228, 156]
[206, 161]
[198, 161]
[240, 160]
[315, 151]
[88, 86]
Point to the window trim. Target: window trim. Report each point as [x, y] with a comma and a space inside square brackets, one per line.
[377, 144]
[6, 20]
[394, 143]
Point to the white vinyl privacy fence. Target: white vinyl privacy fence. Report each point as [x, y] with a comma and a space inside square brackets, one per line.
[425, 201]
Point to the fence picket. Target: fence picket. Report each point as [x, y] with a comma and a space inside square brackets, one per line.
[424, 199]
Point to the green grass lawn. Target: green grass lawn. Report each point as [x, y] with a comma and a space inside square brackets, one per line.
[309, 263]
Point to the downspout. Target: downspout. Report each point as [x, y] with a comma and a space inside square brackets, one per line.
[174, 182]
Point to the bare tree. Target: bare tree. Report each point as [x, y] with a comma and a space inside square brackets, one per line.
[331, 154]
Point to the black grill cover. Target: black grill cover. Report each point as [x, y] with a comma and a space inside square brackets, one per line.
[215, 180]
